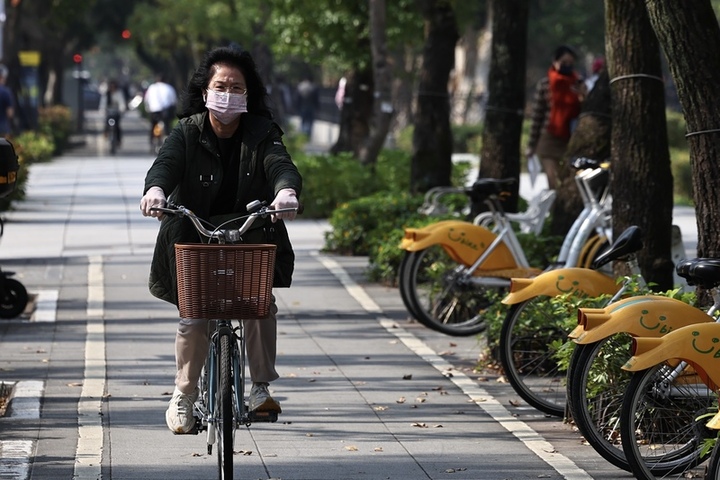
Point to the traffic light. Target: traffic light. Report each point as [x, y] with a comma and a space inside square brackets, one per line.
[126, 34]
[77, 58]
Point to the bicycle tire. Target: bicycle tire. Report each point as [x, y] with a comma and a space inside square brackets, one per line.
[596, 386]
[113, 140]
[713, 470]
[441, 297]
[14, 298]
[225, 430]
[403, 285]
[527, 357]
[661, 435]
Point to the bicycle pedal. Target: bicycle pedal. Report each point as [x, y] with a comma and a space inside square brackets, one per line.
[267, 417]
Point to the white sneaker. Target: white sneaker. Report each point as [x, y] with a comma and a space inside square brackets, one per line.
[179, 415]
[261, 401]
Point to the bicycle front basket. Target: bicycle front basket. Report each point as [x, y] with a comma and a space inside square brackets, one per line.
[224, 281]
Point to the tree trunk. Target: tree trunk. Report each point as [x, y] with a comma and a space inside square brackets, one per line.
[689, 33]
[355, 113]
[382, 75]
[641, 176]
[500, 152]
[590, 139]
[432, 138]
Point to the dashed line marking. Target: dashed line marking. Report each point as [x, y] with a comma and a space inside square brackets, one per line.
[88, 455]
[522, 431]
[45, 306]
[25, 402]
[15, 458]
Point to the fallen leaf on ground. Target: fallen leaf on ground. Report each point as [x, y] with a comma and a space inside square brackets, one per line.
[380, 408]
[407, 377]
[400, 400]
[377, 449]
[420, 424]
[351, 448]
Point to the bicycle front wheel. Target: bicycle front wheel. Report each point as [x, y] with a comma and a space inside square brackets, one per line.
[596, 386]
[403, 285]
[661, 434]
[441, 296]
[713, 472]
[527, 354]
[225, 430]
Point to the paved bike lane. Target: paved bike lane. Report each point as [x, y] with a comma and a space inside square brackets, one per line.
[366, 393]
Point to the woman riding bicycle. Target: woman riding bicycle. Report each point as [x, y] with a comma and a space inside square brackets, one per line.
[225, 152]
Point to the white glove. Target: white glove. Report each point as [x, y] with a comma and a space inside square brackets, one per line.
[154, 197]
[285, 198]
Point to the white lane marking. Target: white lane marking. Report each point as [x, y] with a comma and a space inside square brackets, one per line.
[15, 458]
[532, 440]
[45, 306]
[15, 454]
[88, 455]
[25, 401]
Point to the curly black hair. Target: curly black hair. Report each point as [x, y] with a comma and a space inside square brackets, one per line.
[242, 60]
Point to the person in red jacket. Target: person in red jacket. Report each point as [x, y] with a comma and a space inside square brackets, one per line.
[556, 108]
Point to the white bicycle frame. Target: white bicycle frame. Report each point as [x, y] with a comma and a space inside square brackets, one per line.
[595, 216]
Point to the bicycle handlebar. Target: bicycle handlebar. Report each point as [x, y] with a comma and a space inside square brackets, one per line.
[255, 208]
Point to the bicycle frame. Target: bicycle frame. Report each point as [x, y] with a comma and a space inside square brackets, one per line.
[503, 250]
[594, 216]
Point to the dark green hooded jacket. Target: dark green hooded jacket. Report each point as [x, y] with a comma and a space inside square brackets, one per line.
[189, 170]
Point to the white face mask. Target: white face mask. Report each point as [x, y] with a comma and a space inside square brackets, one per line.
[225, 106]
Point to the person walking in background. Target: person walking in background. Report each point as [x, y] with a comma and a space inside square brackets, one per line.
[308, 103]
[556, 107]
[113, 104]
[598, 65]
[226, 135]
[7, 104]
[160, 100]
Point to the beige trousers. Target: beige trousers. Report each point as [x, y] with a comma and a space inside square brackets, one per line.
[192, 342]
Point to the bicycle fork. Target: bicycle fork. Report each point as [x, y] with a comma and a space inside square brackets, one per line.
[207, 406]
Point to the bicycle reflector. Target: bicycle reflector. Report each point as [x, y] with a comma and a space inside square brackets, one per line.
[8, 167]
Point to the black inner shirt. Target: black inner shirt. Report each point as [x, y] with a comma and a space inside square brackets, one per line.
[230, 158]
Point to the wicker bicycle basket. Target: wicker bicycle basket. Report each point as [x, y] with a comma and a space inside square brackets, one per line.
[224, 281]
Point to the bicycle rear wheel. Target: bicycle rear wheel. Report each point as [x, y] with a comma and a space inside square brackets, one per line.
[226, 429]
[441, 296]
[661, 434]
[527, 354]
[596, 386]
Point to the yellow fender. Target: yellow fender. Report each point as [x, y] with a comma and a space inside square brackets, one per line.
[463, 241]
[641, 316]
[698, 344]
[559, 282]
[714, 422]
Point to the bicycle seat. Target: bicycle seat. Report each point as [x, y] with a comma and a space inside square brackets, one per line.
[484, 187]
[629, 241]
[701, 272]
[581, 163]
